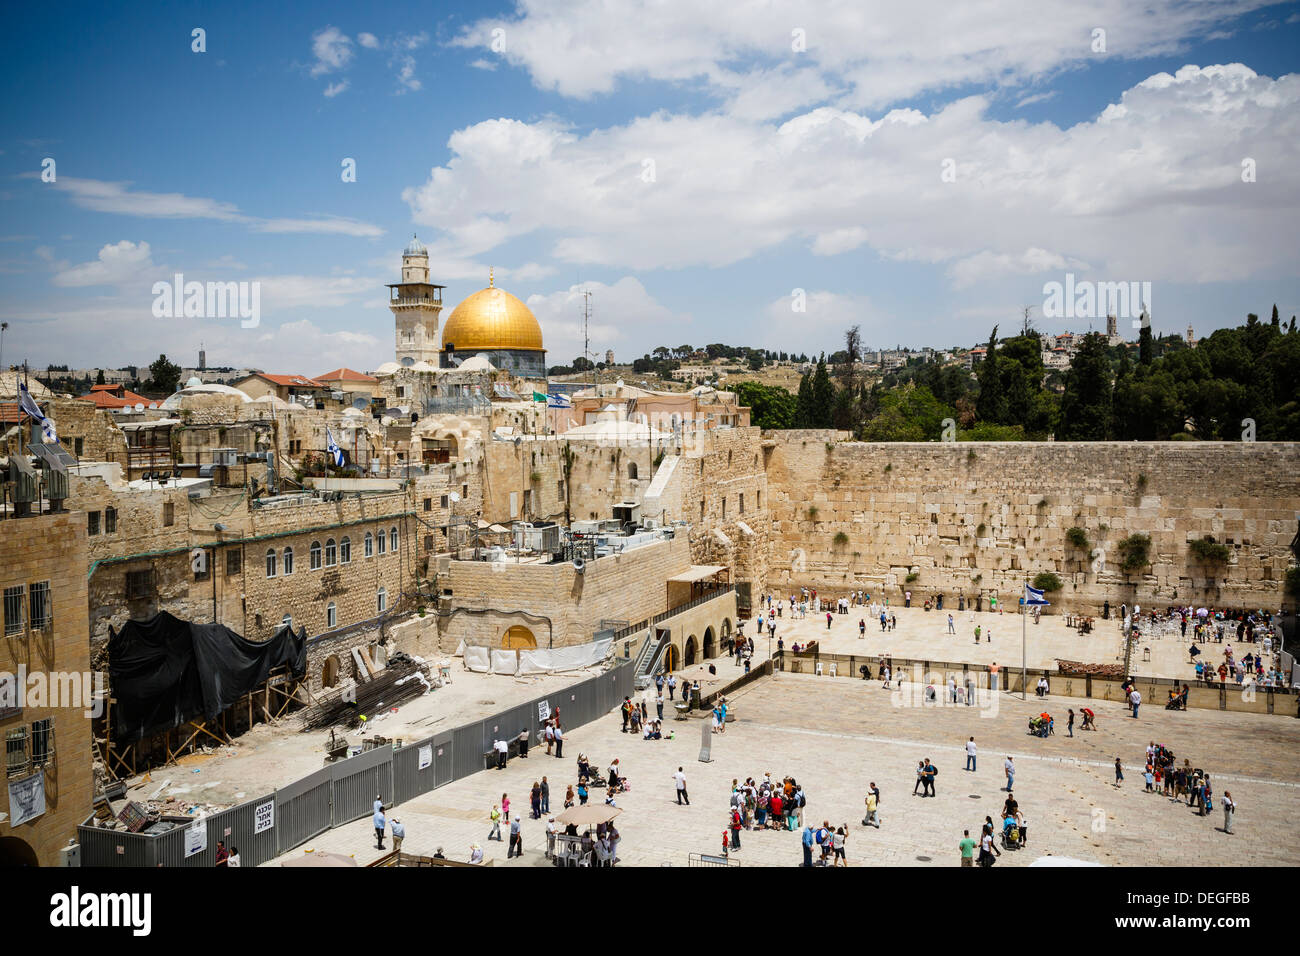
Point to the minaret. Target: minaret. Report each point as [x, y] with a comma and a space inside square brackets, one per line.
[416, 304]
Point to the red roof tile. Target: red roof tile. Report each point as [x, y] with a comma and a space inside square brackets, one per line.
[346, 375]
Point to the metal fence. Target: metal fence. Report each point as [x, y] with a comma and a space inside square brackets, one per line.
[344, 791]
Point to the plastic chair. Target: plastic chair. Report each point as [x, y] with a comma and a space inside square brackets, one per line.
[819, 668]
[832, 670]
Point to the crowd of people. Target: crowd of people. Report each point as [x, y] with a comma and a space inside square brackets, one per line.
[764, 805]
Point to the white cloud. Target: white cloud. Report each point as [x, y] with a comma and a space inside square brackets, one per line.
[368, 40]
[879, 51]
[987, 265]
[121, 263]
[332, 49]
[324, 226]
[825, 314]
[1036, 98]
[1151, 187]
[615, 311]
[334, 89]
[481, 64]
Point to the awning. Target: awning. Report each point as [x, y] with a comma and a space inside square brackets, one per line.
[698, 572]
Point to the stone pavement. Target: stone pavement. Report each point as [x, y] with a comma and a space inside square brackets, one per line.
[835, 736]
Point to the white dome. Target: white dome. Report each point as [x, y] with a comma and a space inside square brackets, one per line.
[194, 380]
[415, 248]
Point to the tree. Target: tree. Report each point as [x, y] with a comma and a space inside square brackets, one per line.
[582, 364]
[755, 361]
[770, 406]
[163, 375]
[823, 397]
[1086, 404]
[99, 377]
[990, 405]
[803, 410]
[1145, 351]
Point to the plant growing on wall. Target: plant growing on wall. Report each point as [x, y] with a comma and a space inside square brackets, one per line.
[1078, 538]
[1134, 551]
[535, 477]
[840, 539]
[812, 512]
[1141, 482]
[1208, 551]
[911, 576]
[889, 467]
[1047, 581]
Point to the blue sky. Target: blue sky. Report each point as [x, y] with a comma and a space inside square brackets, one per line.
[692, 167]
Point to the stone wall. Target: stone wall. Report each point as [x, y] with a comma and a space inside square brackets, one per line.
[50, 548]
[976, 518]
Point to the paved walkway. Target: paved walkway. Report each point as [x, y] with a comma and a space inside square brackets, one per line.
[836, 736]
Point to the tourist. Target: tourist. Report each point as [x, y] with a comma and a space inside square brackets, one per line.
[1069, 726]
[828, 620]
[977, 636]
[970, 755]
[837, 845]
[233, 859]
[516, 846]
[1009, 768]
[380, 824]
[475, 854]
[930, 772]
[503, 753]
[559, 738]
[951, 628]
[987, 846]
[399, 834]
[1150, 776]
[872, 801]
[1135, 701]
[223, 855]
[505, 808]
[659, 704]
[568, 797]
[735, 828]
[1229, 809]
[807, 841]
[967, 849]
[546, 796]
[582, 793]
[672, 685]
[523, 742]
[993, 675]
[550, 838]
[920, 777]
[548, 734]
[495, 817]
[680, 778]
[535, 800]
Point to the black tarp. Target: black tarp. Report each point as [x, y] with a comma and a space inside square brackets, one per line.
[165, 671]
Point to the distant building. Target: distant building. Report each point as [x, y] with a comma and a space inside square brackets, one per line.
[609, 356]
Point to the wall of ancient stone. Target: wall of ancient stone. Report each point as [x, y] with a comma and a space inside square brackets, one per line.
[978, 517]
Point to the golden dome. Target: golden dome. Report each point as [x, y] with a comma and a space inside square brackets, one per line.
[490, 319]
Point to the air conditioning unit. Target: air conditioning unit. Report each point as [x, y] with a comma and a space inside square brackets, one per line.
[56, 487]
[225, 456]
[24, 491]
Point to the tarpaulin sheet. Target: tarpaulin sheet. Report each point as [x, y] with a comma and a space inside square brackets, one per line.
[553, 660]
[165, 671]
[504, 662]
[477, 659]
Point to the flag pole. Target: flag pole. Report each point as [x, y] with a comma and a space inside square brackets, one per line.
[1024, 612]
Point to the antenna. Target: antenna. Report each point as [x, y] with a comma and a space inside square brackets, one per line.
[586, 339]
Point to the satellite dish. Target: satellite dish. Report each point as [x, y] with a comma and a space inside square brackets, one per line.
[454, 496]
[361, 404]
[579, 564]
[407, 361]
[139, 406]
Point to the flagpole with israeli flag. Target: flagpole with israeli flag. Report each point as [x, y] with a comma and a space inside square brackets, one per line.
[1033, 598]
[334, 450]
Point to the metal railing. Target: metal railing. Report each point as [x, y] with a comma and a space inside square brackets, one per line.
[674, 611]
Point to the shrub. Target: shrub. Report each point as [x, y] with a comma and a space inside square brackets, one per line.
[1209, 551]
[1141, 482]
[1047, 581]
[889, 467]
[970, 455]
[1135, 551]
[1078, 538]
[840, 539]
[912, 576]
[812, 513]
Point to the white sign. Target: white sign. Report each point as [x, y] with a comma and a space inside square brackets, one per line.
[26, 798]
[543, 711]
[196, 838]
[199, 560]
[264, 817]
[426, 757]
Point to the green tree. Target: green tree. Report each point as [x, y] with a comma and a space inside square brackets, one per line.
[770, 406]
[803, 407]
[1086, 404]
[823, 397]
[164, 375]
[1146, 352]
[99, 377]
[990, 404]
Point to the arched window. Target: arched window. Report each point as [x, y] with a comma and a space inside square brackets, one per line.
[270, 562]
[392, 540]
[382, 540]
[369, 545]
[315, 555]
[382, 600]
[331, 615]
[331, 553]
[345, 550]
[631, 470]
[288, 561]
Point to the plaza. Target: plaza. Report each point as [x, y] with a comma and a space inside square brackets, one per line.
[836, 736]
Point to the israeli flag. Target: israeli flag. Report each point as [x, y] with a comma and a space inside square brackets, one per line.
[28, 405]
[332, 447]
[557, 400]
[1034, 596]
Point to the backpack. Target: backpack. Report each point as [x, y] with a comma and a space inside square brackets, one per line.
[933, 770]
[798, 799]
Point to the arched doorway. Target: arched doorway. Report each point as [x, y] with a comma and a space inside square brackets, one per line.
[329, 675]
[518, 638]
[689, 656]
[709, 649]
[726, 628]
[672, 660]
[16, 852]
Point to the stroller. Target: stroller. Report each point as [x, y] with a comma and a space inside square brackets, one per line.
[1041, 726]
[1011, 837]
[589, 774]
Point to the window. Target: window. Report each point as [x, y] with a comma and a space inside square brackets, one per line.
[724, 507]
[392, 540]
[382, 600]
[428, 504]
[139, 584]
[234, 562]
[701, 509]
[631, 470]
[382, 541]
[15, 623]
[39, 603]
[331, 553]
[559, 489]
[315, 555]
[345, 550]
[742, 502]
[110, 520]
[442, 502]
[270, 562]
[92, 523]
[428, 542]
[288, 561]
[16, 752]
[42, 741]
[758, 503]
[369, 545]
[401, 389]
[331, 615]
[169, 514]
[464, 492]
[78, 444]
